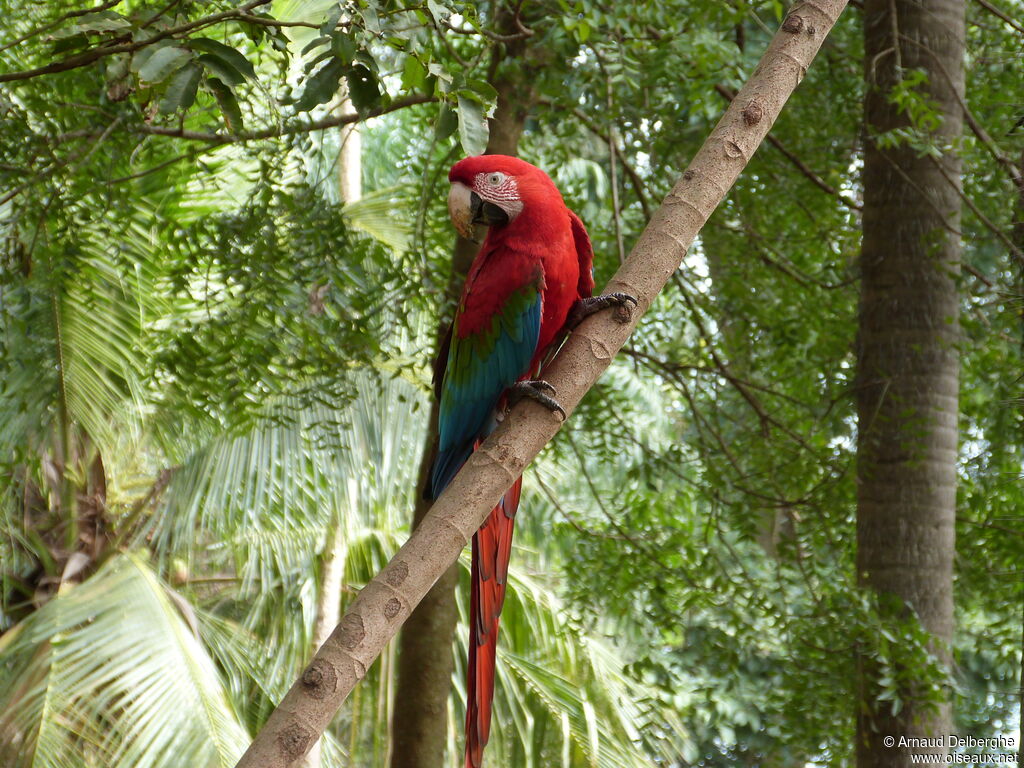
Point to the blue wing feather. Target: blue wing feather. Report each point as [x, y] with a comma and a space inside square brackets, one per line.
[479, 369]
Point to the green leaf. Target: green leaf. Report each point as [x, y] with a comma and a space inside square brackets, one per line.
[344, 47]
[447, 122]
[62, 44]
[116, 67]
[104, 21]
[321, 86]
[228, 104]
[370, 19]
[278, 39]
[221, 70]
[485, 91]
[225, 53]
[438, 11]
[315, 43]
[181, 93]
[473, 129]
[365, 58]
[140, 57]
[363, 88]
[374, 214]
[163, 63]
[331, 20]
[438, 71]
[256, 32]
[414, 74]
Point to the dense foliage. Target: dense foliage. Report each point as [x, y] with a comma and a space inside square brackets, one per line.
[210, 363]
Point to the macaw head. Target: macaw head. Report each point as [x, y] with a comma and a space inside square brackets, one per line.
[495, 190]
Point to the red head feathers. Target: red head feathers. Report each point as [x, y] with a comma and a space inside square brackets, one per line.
[496, 190]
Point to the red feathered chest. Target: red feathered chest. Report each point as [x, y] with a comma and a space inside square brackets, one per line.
[528, 252]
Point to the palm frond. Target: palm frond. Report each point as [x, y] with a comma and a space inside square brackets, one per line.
[274, 490]
[110, 672]
[563, 692]
[374, 215]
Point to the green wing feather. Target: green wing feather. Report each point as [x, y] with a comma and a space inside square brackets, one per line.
[480, 367]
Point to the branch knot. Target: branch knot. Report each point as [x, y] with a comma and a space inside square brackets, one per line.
[793, 24]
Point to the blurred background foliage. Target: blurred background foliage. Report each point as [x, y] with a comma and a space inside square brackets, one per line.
[214, 369]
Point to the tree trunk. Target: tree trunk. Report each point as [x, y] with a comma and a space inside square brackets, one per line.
[419, 731]
[908, 364]
[328, 606]
[1017, 236]
[350, 158]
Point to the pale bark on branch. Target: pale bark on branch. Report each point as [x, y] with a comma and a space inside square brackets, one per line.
[381, 607]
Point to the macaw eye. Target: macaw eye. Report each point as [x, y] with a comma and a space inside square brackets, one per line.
[495, 179]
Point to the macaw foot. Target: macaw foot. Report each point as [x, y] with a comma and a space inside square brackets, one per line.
[535, 390]
[584, 308]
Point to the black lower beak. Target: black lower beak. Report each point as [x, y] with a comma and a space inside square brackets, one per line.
[486, 213]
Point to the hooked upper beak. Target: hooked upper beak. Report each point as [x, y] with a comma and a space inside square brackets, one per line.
[466, 209]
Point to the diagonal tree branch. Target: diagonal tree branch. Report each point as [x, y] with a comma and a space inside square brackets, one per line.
[728, 95]
[387, 600]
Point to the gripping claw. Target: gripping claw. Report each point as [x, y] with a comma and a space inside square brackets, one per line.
[535, 389]
[584, 308]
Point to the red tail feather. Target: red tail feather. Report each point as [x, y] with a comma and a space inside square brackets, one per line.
[492, 545]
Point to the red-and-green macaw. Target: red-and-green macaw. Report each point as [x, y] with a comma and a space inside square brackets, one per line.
[531, 280]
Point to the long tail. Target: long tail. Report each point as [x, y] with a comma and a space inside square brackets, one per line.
[492, 545]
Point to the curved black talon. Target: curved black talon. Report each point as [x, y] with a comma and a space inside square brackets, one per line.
[539, 384]
[531, 390]
[584, 308]
[621, 298]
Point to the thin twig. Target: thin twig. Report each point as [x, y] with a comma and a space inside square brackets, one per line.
[613, 151]
[522, 34]
[1001, 14]
[634, 178]
[274, 132]
[159, 167]
[95, 54]
[159, 14]
[71, 162]
[985, 220]
[58, 21]
[800, 165]
[266, 22]
[976, 127]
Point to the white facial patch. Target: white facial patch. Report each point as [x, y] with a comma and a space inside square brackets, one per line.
[501, 189]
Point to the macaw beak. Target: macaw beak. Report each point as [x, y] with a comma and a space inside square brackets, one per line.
[467, 209]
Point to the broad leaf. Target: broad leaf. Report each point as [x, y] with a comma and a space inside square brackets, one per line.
[414, 74]
[321, 86]
[221, 70]
[331, 20]
[447, 122]
[104, 21]
[163, 63]
[181, 92]
[473, 129]
[228, 104]
[363, 88]
[225, 53]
